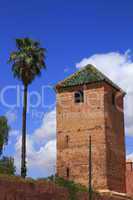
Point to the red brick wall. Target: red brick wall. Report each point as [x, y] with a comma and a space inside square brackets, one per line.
[78, 121]
[95, 117]
[16, 190]
[115, 140]
[129, 178]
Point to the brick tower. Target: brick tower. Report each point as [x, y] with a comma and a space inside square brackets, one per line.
[88, 103]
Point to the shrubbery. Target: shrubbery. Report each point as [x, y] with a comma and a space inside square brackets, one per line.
[7, 166]
[72, 187]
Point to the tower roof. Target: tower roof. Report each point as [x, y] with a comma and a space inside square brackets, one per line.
[86, 75]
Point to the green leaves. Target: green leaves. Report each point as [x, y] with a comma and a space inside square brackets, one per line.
[7, 166]
[72, 187]
[28, 60]
[4, 131]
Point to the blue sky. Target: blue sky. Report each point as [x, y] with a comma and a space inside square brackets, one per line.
[71, 30]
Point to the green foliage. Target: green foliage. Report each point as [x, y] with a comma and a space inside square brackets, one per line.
[17, 179]
[4, 131]
[7, 166]
[28, 60]
[72, 187]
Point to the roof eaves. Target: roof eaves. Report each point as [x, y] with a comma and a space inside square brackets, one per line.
[103, 78]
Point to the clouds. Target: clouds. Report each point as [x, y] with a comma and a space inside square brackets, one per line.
[47, 130]
[11, 115]
[119, 68]
[41, 148]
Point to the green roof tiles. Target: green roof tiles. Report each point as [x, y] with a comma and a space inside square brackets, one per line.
[86, 75]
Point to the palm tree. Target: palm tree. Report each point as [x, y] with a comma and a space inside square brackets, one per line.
[27, 62]
[4, 131]
[90, 168]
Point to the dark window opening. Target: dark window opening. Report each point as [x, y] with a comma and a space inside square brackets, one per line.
[67, 172]
[67, 140]
[79, 97]
[113, 99]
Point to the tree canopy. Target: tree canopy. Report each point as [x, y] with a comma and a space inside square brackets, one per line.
[7, 166]
[28, 60]
[4, 132]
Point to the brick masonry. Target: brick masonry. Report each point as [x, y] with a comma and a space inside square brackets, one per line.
[97, 117]
[17, 190]
[129, 177]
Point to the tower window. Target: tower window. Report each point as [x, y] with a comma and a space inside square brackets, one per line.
[113, 99]
[67, 140]
[68, 172]
[79, 97]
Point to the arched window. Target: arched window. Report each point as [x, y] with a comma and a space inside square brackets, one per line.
[79, 96]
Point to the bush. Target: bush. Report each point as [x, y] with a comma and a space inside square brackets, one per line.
[7, 166]
[72, 187]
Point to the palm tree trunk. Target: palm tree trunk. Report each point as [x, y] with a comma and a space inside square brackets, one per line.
[23, 158]
[90, 169]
